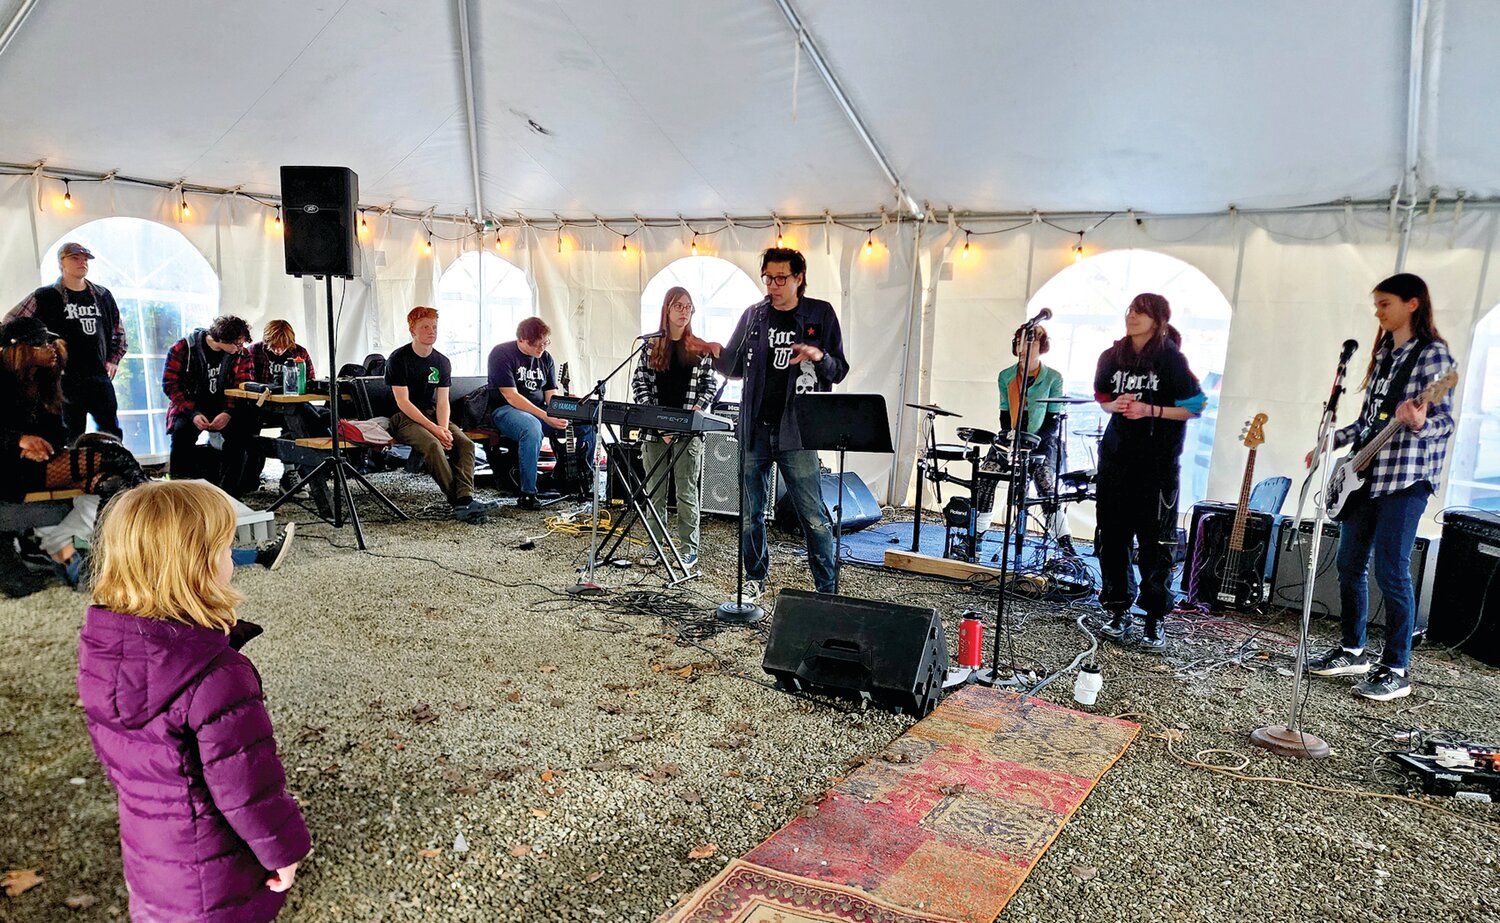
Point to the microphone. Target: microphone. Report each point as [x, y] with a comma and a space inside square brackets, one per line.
[1043, 314]
[652, 336]
[1349, 347]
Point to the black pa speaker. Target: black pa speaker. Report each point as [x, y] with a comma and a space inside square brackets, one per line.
[1211, 577]
[861, 510]
[1293, 547]
[1465, 596]
[320, 224]
[893, 655]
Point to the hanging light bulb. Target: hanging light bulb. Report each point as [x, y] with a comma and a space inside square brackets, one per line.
[965, 254]
[499, 243]
[780, 241]
[695, 243]
[278, 219]
[364, 226]
[427, 250]
[1078, 249]
[183, 206]
[67, 195]
[870, 244]
[623, 247]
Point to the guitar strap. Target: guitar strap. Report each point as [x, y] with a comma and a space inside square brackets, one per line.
[1393, 394]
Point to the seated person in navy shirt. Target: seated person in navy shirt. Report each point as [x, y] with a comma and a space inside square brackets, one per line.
[523, 372]
[420, 377]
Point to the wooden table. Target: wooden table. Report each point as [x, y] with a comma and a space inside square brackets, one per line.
[273, 398]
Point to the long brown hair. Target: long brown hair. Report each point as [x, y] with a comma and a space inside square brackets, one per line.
[1159, 310]
[689, 346]
[1406, 286]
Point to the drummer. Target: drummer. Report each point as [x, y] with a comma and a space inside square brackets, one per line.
[1042, 382]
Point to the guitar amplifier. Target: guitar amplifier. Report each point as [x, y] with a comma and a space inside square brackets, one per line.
[1464, 590]
[720, 492]
[1290, 575]
[1207, 555]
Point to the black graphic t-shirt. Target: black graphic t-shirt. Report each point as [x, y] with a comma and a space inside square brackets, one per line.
[532, 376]
[783, 336]
[421, 376]
[80, 321]
[1164, 380]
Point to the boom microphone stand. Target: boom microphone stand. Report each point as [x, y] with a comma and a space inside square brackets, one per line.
[1289, 739]
[992, 677]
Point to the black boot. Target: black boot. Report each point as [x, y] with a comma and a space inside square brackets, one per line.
[1118, 625]
[1154, 634]
[16, 579]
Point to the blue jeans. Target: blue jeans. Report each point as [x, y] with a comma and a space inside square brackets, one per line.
[527, 431]
[242, 556]
[1388, 527]
[799, 471]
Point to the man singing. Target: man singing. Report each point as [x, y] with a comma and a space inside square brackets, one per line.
[784, 346]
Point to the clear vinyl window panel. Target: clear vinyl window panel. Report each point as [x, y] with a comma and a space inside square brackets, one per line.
[481, 299]
[721, 292]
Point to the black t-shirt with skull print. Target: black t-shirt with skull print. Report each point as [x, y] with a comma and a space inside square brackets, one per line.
[783, 336]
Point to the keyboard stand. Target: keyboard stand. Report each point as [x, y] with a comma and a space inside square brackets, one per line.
[638, 506]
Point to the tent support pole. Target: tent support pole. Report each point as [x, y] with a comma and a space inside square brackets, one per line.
[14, 26]
[466, 55]
[1416, 90]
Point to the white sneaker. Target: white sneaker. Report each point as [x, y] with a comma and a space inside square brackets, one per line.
[753, 591]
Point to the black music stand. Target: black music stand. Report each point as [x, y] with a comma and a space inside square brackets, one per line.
[843, 423]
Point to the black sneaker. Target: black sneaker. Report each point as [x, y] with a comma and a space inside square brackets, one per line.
[1065, 547]
[547, 496]
[1153, 634]
[1339, 662]
[528, 502]
[1117, 627]
[1382, 684]
[271, 555]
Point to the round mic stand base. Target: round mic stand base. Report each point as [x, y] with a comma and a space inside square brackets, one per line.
[1283, 741]
[740, 613]
[995, 677]
[583, 588]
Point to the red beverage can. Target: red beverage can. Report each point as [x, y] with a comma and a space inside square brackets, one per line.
[970, 641]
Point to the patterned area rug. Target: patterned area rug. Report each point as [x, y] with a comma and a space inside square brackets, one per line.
[940, 828]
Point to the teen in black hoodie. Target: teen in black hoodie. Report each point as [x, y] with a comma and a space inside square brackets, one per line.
[1144, 383]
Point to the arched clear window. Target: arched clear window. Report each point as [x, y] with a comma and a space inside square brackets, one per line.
[165, 289]
[1474, 475]
[1088, 302]
[721, 292]
[481, 299]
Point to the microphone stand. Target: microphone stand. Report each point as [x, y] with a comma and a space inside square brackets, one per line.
[586, 585]
[1289, 739]
[992, 677]
[740, 612]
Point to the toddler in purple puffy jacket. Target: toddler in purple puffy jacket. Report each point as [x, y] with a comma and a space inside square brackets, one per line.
[208, 831]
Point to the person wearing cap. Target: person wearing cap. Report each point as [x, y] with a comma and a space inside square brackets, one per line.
[88, 320]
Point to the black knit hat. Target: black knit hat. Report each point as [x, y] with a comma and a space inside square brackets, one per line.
[28, 331]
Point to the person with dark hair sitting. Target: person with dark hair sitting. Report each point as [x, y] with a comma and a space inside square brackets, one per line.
[524, 376]
[198, 369]
[266, 362]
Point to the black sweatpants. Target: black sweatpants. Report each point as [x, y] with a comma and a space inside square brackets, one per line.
[1141, 507]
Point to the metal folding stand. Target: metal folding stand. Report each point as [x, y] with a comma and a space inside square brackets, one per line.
[639, 506]
[335, 464]
[929, 445]
[585, 586]
[843, 423]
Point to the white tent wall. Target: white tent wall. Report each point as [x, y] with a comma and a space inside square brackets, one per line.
[1298, 282]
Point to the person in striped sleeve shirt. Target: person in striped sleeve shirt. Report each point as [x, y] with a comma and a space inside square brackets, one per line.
[1402, 476]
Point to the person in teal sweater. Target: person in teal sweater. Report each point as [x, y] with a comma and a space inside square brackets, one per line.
[1040, 422]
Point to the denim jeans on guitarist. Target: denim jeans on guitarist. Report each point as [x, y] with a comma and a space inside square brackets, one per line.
[527, 430]
[1386, 526]
[799, 472]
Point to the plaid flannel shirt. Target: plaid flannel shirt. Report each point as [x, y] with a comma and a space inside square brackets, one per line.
[700, 393]
[1410, 456]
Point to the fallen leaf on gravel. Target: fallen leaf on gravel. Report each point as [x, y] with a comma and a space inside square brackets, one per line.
[546, 668]
[310, 732]
[641, 737]
[431, 852]
[703, 852]
[663, 773]
[538, 812]
[19, 881]
[502, 775]
[470, 789]
[514, 696]
[657, 668]
[609, 708]
[80, 901]
[422, 713]
[332, 769]
[757, 806]
[741, 727]
[520, 849]
[400, 745]
[1085, 872]
[686, 672]
[547, 775]
[452, 774]
[732, 774]
[690, 796]
[592, 877]
[602, 766]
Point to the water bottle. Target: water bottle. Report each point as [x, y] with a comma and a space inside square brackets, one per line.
[289, 379]
[601, 476]
[301, 377]
[1086, 687]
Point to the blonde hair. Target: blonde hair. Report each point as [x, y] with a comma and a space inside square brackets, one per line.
[157, 554]
[279, 335]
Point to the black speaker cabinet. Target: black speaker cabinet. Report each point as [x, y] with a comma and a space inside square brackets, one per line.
[1465, 595]
[720, 491]
[1292, 549]
[318, 204]
[1208, 578]
[861, 510]
[893, 655]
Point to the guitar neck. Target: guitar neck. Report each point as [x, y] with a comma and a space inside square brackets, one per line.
[1362, 458]
[1241, 513]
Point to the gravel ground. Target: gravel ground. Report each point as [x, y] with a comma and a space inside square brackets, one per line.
[580, 750]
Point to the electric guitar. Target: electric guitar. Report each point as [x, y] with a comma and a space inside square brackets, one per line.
[1241, 579]
[1349, 477]
[569, 465]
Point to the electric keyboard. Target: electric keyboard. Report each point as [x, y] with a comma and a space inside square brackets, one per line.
[641, 416]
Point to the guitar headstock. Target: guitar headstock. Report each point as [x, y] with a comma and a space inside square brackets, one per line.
[562, 379]
[1254, 432]
[1438, 389]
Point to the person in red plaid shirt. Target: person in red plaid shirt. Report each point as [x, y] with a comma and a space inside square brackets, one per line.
[265, 362]
[198, 369]
[1402, 476]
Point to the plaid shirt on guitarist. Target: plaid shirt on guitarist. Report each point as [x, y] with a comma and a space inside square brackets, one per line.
[1410, 456]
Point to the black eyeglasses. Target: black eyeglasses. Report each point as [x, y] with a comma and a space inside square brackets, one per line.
[776, 280]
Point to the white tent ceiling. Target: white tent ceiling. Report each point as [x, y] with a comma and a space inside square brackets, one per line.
[595, 107]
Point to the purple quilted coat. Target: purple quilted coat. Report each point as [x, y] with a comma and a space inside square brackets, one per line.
[178, 720]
